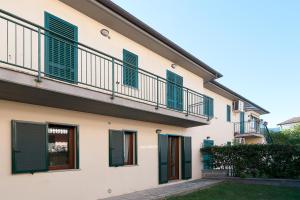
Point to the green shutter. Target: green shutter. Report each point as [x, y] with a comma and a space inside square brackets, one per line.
[242, 122]
[228, 113]
[174, 91]
[163, 158]
[130, 69]
[186, 148]
[207, 158]
[29, 147]
[171, 100]
[179, 93]
[61, 54]
[209, 107]
[116, 148]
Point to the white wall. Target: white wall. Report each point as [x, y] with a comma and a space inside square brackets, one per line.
[95, 177]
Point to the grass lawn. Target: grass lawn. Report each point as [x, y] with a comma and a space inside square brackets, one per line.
[236, 191]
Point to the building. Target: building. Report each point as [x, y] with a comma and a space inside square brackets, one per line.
[95, 103]
[290, 123]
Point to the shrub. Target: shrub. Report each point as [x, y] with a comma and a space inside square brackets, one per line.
[270, 161]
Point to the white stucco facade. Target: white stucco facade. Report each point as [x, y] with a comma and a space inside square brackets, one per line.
[95, 179]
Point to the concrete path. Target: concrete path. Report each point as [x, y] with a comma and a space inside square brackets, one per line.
[167, 191]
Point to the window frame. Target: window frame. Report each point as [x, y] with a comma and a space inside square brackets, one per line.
[75, 149]
[135, 147]
[228, 113]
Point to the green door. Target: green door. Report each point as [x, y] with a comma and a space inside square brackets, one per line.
[207, 158]
[60, 53]
[174, 91]
[242, 123]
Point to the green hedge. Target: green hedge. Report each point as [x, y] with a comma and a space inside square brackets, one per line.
[268, 161]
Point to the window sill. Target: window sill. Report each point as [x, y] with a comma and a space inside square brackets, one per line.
[63, 170]
[130, 166]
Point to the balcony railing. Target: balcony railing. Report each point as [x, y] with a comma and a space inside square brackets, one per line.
[24, 48]
[249, 127]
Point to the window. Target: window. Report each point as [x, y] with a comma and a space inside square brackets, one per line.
[130, 69]
[209, 107]
[60, 147]
[61, 54]
[228, 113]
[174, 91]
[122, 148]
[41, 147]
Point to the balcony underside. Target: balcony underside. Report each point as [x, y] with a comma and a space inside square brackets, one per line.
[22, 87]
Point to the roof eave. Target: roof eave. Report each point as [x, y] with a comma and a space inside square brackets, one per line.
[237, 96]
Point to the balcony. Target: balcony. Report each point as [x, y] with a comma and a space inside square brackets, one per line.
[249, 129]
[96, 84]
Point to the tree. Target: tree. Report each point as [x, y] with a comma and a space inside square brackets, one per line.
[288, 136]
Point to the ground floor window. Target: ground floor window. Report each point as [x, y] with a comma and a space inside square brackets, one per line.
[61, 147]
[42, 147]
[122, 148]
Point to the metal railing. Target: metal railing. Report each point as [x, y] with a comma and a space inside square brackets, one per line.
[249, 127]
[32, 49]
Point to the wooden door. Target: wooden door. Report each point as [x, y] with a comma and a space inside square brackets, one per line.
[173, 158]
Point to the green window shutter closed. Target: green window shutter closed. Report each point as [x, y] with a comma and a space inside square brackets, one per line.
[163, 158]
[116, 148]
[174, 91]
[186, 157]
[29, 147]
[242, 122]
[171, 100]
[130, 69]
[179, 93]
[228, 113]
[61, 54]
[209, 107]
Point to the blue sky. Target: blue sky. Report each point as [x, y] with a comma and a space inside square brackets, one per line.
[255, 44]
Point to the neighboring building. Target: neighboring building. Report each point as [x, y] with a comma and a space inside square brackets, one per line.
[95, 103]
[290, 123]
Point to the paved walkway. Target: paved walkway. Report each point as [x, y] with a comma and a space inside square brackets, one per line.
[167, 191]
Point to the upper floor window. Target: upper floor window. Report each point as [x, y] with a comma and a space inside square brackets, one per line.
[130, 69]
[228, 111]
[60, 53]
[42, 147]
[209, 107]
[122, 148]
[174, 91]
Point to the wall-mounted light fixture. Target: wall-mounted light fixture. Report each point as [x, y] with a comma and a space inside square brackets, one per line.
[104, 32]
[158, 131]
[173, 65]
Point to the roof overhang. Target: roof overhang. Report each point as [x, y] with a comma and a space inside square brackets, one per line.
[116, 18]
[229, 94]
